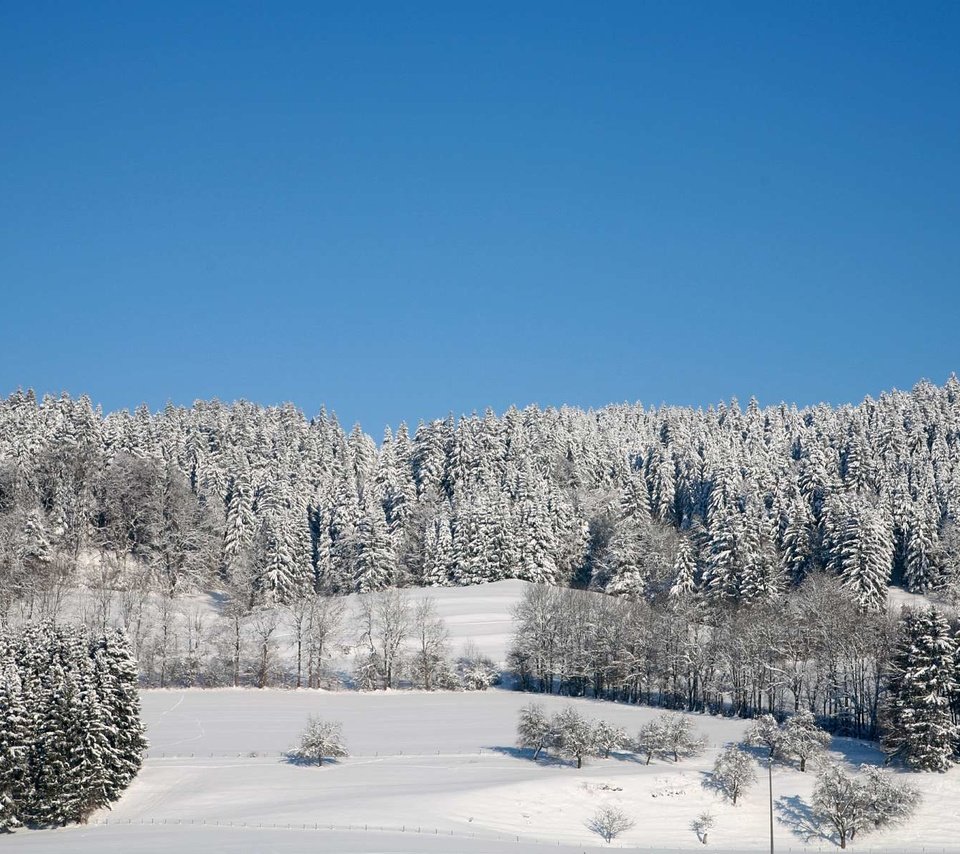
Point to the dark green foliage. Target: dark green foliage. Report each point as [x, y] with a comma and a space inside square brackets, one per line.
[923, 684]
[71, 739]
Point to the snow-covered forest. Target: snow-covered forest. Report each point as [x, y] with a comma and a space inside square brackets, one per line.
[735, 503]
[123, 520]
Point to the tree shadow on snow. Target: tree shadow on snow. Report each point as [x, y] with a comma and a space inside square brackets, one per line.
[292, 759]
[857, 752]
[795, 813]
[709, 781]
[527, 754]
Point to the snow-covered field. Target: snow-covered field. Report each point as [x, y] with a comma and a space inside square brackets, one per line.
[437, 772]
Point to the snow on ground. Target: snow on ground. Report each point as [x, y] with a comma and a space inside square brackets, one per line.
[438, 772]
[897, 598]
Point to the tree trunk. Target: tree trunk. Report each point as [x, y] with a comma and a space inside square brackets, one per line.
[236, 651]
[299, 660]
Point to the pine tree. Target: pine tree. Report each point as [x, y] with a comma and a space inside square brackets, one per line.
[684, 568]
[115, 674]
[865, 555]
[14, 733]
[438, 553]
[797, 551]
[923, 684]
[921, 568]
[239, 525]
[376, 559]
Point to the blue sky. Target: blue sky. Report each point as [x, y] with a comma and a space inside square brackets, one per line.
[401, 210]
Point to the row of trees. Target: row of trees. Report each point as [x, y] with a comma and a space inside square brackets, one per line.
[816, 654]
[378, 640]
[735, 503]
[568, 733]
[814, 648]
[71, 739]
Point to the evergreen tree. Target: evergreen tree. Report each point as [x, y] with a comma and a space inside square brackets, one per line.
[376, 559]
[865, 555]
[923, 684]
[14, 732]
[921, 569]
[684, 567]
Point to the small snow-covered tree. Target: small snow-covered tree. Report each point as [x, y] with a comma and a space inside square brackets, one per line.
[838, 802]
[679, 739]
[320, 739]
[609, 822]
[702, 825]
[534, 730]
[767, 733]
[476, 671]
[651, 740]
[886, 801]
[733, 773]
[607, 738]
[802, 738]
[684, 567]
[574, 735]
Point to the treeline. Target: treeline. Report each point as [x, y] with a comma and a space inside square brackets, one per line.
[737, 503]
[71, 739]
[387, 639]
[814, 649]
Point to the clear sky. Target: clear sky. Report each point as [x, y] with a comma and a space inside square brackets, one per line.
[401, 210]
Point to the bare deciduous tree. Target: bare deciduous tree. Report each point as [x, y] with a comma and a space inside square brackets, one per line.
[385, 623]
[430, 662]
[609, 822]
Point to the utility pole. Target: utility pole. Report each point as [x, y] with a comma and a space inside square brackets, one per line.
[770, 782]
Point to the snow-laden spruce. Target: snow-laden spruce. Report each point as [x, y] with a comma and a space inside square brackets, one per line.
[71, 739]
[920, 709]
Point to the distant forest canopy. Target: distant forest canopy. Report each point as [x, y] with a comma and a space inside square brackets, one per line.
[727, 503]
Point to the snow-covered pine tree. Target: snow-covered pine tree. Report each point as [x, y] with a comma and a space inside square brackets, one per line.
[865, 554]
[797, 555]
[685, 568]
[239, 531]
[438, 553]
[376, 558]
[923, 683]
[14, 733]
[115, 675]
[276, 576]
[921, 566]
